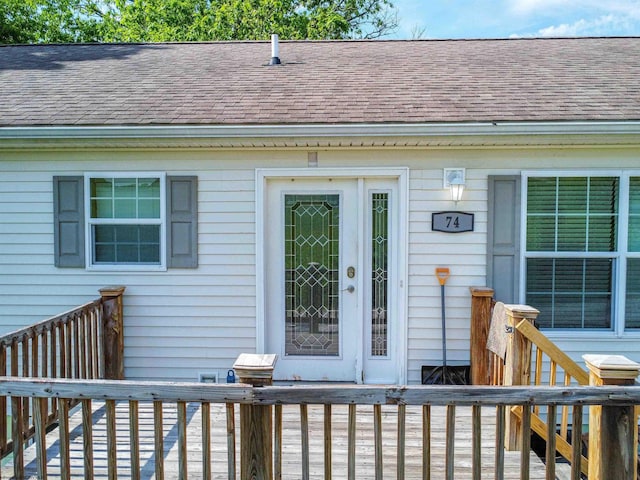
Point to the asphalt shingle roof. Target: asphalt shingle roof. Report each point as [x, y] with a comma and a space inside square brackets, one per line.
[230, 83]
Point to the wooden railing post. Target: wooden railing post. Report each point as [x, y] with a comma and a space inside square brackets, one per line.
[613, 430]
[112, 332]
[256, 431]
[517, 366]
[481, 298]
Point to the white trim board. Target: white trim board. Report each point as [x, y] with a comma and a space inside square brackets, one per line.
[328, 135]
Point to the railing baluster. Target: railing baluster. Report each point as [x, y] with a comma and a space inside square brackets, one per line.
[17, 425]
[76, 346]
[61, 342]
[82, 345]
[44, 368]
[87, 438]
[450, 441]
[112, 441]
[525, 451]
[351, 443]
[53, 366]
[134, 438]
[96, 320]
[100, 353]
[550, 453]
[576, 443]
[89, 340]
[476, 442]
[553, 373]
[231, 441]
[328, 443]
[182, 440]
[500, 435]
[40, 423]
[426, 442]
[377, 441]
[277, 442]
[67, 346]
[26, 401]
[564, 427]
[65, 439]
[304, 434]
[35, 371]
[45, 347]
[206, 440]
[402, 430]
[158, 438]
[538, 375]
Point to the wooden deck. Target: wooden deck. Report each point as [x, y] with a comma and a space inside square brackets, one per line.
[291, 458]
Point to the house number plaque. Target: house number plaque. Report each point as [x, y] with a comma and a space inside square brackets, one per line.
[452, 222]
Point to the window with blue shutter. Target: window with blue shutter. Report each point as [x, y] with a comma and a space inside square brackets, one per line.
[131, 221]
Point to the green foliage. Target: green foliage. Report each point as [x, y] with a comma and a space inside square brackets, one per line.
[49, 21]
[33, 21]
[17, 21]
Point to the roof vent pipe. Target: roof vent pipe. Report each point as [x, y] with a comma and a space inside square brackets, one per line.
[275, 50]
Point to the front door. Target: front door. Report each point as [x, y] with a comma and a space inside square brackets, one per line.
[328, 268]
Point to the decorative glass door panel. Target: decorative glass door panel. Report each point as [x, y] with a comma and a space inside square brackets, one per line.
[328, 269]
[379, 273]
[312, 248]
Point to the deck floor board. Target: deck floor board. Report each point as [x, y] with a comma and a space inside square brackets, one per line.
[291, 458]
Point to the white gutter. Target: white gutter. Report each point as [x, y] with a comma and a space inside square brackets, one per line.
[336, 130]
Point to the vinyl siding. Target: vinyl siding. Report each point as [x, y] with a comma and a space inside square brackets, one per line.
[182, 322]
[177, 323]
[463, 253]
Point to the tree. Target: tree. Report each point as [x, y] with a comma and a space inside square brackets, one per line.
[48, 21]
[33, 21]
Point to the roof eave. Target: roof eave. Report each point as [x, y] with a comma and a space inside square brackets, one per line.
[328, 135]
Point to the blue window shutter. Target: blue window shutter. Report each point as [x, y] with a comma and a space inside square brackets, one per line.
[503, 237]
[68, 213]
[182, 222]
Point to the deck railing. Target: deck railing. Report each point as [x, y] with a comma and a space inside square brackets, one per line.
[83, 343]
[551, 362]
[529, 348]
[131, 394]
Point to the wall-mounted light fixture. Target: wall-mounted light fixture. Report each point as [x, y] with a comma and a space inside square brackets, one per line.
[453, 180]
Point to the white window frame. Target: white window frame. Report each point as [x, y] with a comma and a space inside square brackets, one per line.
[620, 255]
[89, 222]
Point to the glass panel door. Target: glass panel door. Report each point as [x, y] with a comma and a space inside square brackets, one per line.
[311, 301]
[331, 279]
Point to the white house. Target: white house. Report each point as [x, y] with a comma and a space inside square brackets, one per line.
[289, 208]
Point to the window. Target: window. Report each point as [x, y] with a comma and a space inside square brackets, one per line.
[125, 219]
[632, 301]
[581, 234]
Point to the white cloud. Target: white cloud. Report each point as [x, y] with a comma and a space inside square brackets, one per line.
[550, 7]
[601, 26]
[526, 7]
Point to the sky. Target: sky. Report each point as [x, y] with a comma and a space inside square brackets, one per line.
[439, 19]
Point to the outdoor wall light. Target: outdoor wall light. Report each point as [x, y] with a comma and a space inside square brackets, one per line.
[453, 179]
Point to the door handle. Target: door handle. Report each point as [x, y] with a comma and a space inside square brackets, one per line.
[349, 289]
